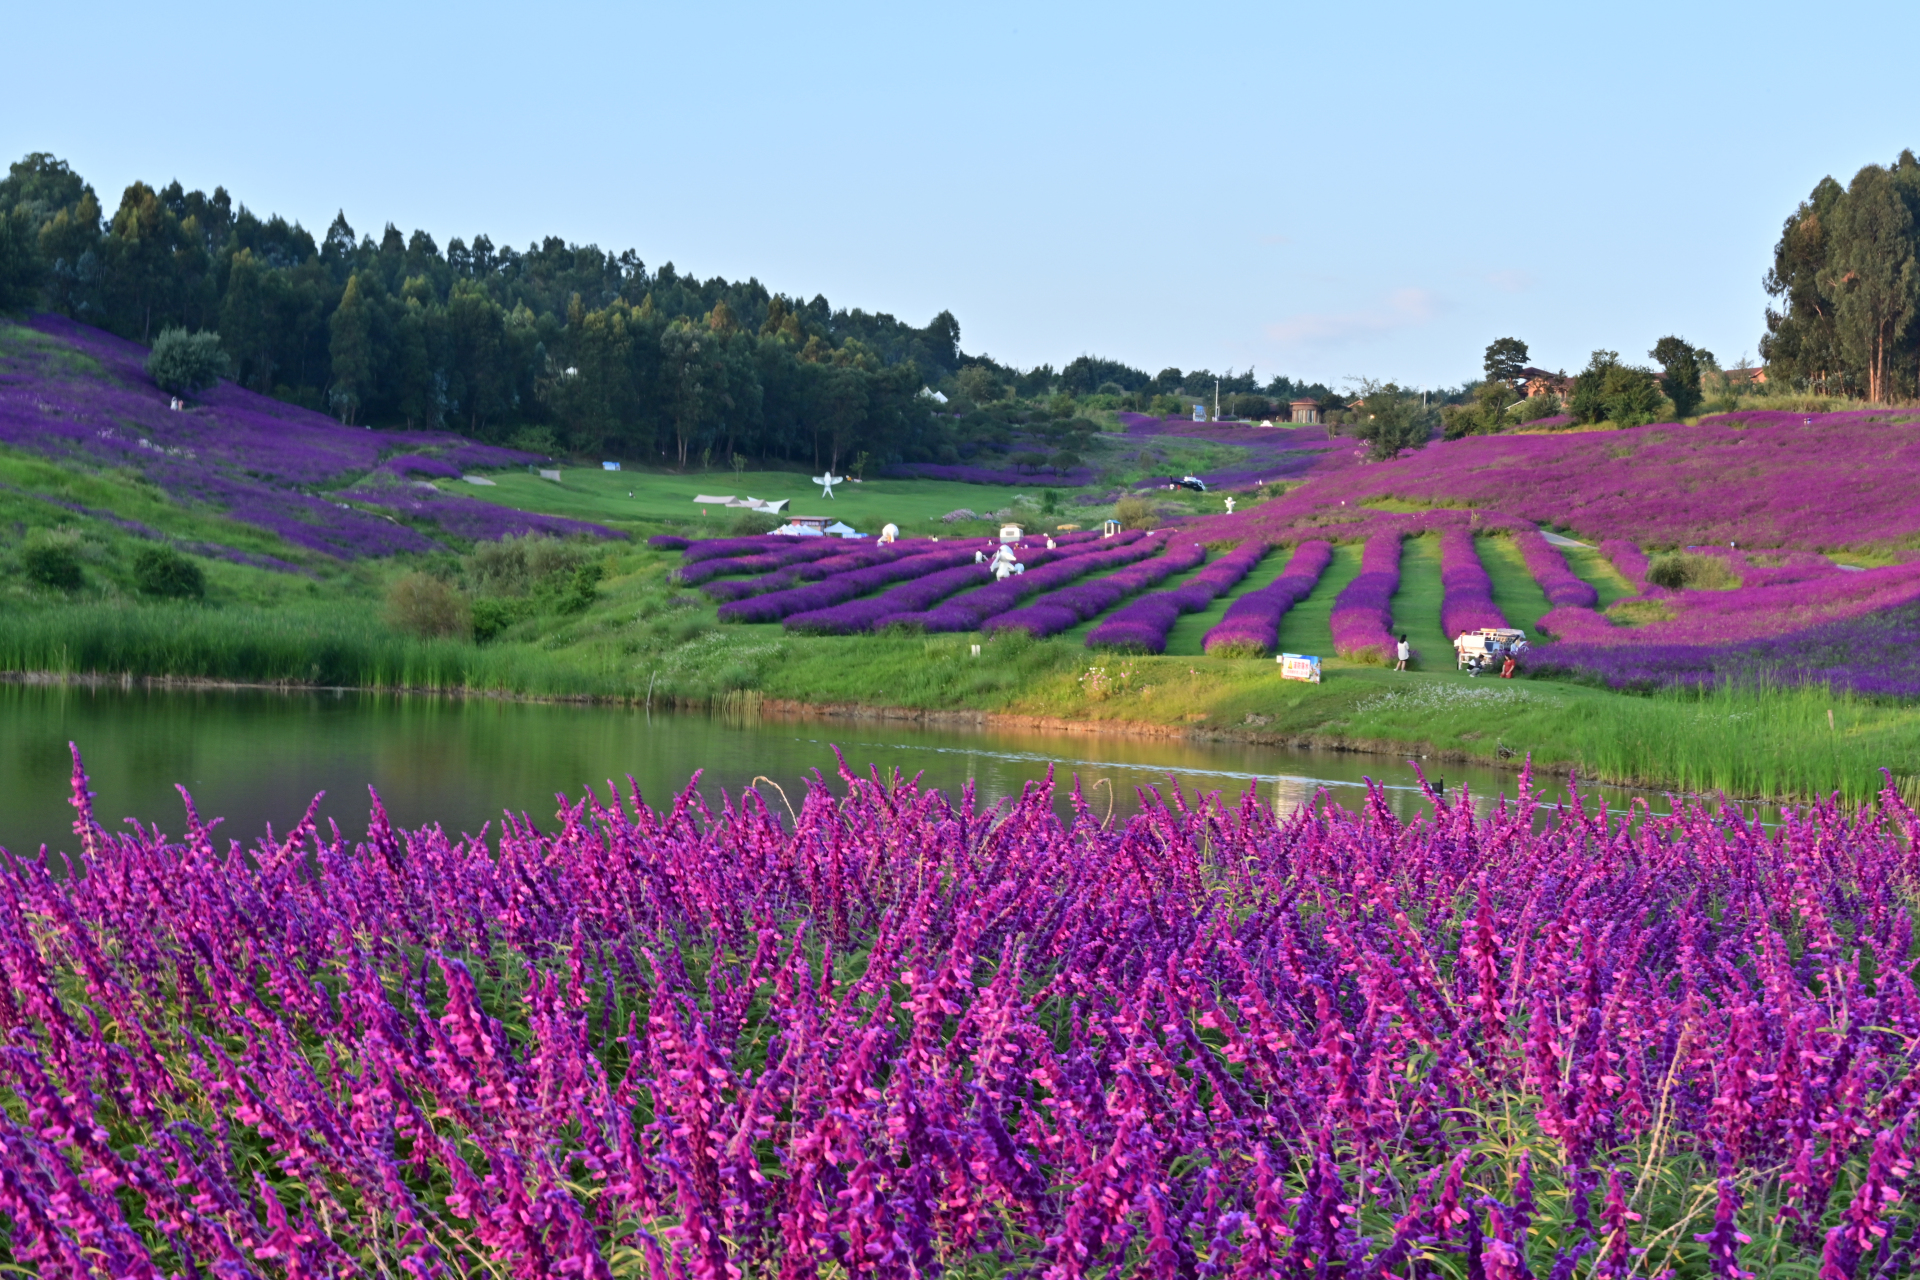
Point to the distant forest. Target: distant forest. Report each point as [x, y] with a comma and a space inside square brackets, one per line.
[560, 348]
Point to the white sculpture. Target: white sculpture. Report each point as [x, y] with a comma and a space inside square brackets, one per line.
[826, 483]
[1229, 506]
[888, 532]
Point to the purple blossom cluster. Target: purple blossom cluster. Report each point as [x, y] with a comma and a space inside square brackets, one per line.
[1142, 625]
[843, 558]
[250, 457]
[1074, 477]
[1362, 621]
[669, 542]
[1702, 617]
[1548, 566]
[903, 1034]
[698, 549]
[1251, 626]
[966, 611]
[884, 569]
[1055, 611]
[1466, 602]
[469, 517]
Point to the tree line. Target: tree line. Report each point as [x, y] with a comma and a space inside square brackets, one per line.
[560, 347]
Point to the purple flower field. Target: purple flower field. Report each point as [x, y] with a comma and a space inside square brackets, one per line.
[1251, 626]
[1143, 625]
[902, 1034]
[251, 457]
[1054, 612]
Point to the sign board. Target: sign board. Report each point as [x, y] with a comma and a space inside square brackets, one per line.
[550, 475]
[609, 466]
[1299, 666]
[1199, 413]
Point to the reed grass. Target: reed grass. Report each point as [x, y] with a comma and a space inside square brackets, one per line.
[341, 646]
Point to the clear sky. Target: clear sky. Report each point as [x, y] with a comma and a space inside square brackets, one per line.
[1324, 190]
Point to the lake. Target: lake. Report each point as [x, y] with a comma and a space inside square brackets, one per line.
[256, 757]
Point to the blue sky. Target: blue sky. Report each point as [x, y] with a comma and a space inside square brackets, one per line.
[1325, 191]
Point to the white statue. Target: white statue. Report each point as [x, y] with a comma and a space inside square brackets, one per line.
[888, 532]
[827, 481]
[1229, 506]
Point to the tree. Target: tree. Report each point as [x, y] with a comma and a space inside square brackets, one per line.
[1486, 415]
[1607, 390]
[1681, 365]
[19, 263]
[162, 571]
[980, 384]
[1506, 357]
[352, 350]
[1872, 276]
[1389, 420]
[183, 363]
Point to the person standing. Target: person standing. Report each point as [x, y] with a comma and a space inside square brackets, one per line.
[1403, 652]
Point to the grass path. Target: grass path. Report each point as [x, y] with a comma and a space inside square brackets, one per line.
[1515, 592]
[1416, 605]
[1192, 628]
[1595, 568]
[1307, 627]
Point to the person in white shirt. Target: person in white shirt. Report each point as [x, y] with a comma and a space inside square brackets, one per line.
[1402, 652]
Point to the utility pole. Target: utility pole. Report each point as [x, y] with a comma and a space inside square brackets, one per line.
[1216, 399]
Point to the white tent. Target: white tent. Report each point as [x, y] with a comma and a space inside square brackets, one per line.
[709, 500]
[798, 531]
[841, 529]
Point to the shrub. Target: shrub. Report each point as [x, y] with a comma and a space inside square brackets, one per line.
[162, 571]
[516, 566]
[183, 363]
[751, 523]
[1682, 570]
[581, 588]
[51, 563]
[492, 615]
[421, 605]
[1134, 513]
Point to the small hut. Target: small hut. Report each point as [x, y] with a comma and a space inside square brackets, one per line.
[1304, 412]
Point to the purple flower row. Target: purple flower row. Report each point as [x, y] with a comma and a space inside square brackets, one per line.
[472, 518]
[1629, 559]
[1466, 591]
[776, 605]
[1362, 622]
[1143, 624]
[798, 551]
[1548, 566]
[916, 595]
[967, 611]
[1057, 610]
[844, 559]
[1251, 627]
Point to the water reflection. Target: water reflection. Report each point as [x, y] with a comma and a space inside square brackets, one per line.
[257, 757]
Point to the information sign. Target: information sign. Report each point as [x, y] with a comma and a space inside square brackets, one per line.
[1299, 666]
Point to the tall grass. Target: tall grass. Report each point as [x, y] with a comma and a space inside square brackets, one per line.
[1745, 741]
[331, 646]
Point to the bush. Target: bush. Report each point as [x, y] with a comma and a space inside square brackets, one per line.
[1681, 570]
[749, 523]
[183, 363]
[162, 571]
[492, 616]
[516, 566]
[1134, 513]
[51, 564]
[421, 605]
[582, 589]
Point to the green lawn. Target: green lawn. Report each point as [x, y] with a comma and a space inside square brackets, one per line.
[1307, 627]
[915, 505]
[1416, 605]
[1515, 592]
[1590, 565]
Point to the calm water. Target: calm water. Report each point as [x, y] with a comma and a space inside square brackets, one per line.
[257, 757]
